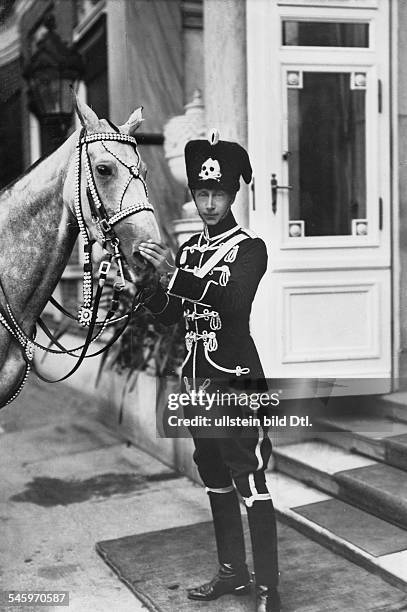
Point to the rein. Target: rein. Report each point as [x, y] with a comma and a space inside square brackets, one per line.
[87, 314]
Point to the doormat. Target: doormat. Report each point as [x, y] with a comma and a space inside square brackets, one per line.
[372, 534]
[160, 565]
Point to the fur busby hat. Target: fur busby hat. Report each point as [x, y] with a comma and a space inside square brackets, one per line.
[216, 164]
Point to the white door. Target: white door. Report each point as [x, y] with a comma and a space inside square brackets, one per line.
[319, 140]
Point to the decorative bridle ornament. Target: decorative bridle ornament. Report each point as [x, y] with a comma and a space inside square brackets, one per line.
[87, 314]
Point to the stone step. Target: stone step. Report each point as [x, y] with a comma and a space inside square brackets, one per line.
[376, 545]
[375, 487]
[392, 405]
[396, 451]
[380, 438]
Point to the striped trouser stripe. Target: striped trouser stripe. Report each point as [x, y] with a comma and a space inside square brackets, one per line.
[255, 495]
[257, 451]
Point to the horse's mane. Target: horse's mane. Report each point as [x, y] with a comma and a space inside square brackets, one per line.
[26, 171]
[40, 160]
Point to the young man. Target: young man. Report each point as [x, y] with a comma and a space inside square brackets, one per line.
[216, 278]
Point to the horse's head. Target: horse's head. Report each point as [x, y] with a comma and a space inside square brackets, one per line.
[113, 187]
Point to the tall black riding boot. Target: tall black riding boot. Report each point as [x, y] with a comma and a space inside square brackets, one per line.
[233, 575]
[227, 522]
[263, 533]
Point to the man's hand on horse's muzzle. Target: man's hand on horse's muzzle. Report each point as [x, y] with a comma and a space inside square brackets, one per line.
[158, 255]
[145, 276]
[140, 275]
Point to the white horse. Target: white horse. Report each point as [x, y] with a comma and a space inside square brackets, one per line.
[93, 184]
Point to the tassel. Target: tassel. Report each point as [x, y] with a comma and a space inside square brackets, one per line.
[231, 256]
[189, 340]
[224, 277]
[212, 343]
[205, 384]
[216, 322]
[187, 385]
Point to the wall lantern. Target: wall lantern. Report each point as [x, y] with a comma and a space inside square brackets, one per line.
[52, 70]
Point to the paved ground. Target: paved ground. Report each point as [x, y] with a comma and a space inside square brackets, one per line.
[67, 482]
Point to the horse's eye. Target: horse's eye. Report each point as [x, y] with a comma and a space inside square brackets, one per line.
[104, 170]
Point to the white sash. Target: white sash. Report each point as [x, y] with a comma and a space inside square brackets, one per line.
[219, 254]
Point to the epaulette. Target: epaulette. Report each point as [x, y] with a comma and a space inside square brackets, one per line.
[249, 232]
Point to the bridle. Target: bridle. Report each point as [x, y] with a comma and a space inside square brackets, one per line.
[99, 214]
[87, 314]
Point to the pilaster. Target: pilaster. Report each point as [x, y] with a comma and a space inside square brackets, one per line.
[226, 78]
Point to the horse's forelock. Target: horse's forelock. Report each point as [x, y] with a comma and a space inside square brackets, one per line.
[113, 126]
[105, 125]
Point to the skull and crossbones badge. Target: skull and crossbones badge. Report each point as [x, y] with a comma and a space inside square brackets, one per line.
[210, 169]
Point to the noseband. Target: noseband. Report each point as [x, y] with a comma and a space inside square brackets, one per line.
[87, 315]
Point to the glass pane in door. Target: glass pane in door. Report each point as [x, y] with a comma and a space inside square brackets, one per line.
[325, 34]
[326, 150]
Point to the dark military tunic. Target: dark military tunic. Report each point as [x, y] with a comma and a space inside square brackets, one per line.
[216, 305]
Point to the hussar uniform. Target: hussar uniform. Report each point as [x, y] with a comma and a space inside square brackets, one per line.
[216, 278]
[215, 281]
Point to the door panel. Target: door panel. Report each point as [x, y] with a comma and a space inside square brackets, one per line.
[346, 328]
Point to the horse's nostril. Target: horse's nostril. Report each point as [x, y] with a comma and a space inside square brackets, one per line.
[139, 258]
[142, 265]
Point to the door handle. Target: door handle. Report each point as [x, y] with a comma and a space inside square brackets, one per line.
[274, 188]
[253, 190]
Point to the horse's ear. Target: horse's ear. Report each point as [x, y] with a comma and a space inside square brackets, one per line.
[132, 122]
[87, 116]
